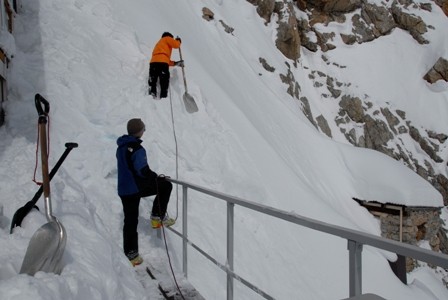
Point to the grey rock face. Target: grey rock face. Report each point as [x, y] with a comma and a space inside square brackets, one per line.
[438, 72]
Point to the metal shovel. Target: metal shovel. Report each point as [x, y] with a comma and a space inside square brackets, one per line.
[190, 104]
[47, 245]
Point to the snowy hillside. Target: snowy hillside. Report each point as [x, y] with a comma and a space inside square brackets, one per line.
[249, 139]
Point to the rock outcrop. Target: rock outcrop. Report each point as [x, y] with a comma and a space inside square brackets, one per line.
[288, 37]
[360, 121]
[438, 72]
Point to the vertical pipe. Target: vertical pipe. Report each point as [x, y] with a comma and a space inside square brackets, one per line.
[230, 248]
[355, 268]
[184, 231]
[401, 224]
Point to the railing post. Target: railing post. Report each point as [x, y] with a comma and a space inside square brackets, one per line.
[355, 268]
[184, 231]
[230, 247]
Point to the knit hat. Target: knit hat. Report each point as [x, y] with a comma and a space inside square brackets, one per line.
[135, 126]
[166, 33]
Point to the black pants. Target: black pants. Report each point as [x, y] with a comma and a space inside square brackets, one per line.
[161, 72]
[131, 203]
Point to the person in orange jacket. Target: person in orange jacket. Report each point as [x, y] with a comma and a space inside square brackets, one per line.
[160, 63]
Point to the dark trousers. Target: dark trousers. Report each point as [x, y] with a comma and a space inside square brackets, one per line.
[131, 203]
[161, 72]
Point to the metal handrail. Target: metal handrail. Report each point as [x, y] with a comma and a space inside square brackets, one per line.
[355, 240]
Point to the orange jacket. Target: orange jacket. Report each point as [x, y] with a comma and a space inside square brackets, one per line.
[162, 50]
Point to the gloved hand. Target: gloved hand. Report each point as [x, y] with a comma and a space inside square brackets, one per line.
[179, 63]
[163, 177]
[178, 39]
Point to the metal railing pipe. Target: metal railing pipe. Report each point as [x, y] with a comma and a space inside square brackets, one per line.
[230, 248]
[356, 240]
[184, 231]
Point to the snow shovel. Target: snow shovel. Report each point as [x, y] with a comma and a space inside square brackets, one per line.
[22, 212]
[189, 102]
[47, 245]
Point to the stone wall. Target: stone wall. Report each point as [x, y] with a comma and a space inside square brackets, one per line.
[418, 225]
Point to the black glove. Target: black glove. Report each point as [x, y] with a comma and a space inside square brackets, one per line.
[178, 39]
[162, 177]
[179, 63]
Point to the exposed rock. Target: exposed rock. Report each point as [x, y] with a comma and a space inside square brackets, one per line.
[323, 125]
[304, 29]
[362, 30]
[444, 5]
[307, 110]
[319, 17]
[401, 113]
[227, 28]
[381, 126]
[348, 39]
[301, 4]
[323, 38]
[265, 65]
[353, 108]
[293, 86]
[207, 14]
[426, 6]
[376, 134]
[415, 134]
[438, 136]
[411, 23]
[440, 182]
[265, 8]
[288, 38]
[391, 119]
[380, 17]
[335, 93]
[438, 72]
[343, 6]
[373, 22]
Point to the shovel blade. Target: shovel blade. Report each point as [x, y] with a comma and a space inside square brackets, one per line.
[190, 104]
[45, 250]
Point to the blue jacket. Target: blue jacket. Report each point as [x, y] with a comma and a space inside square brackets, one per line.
[132, 165]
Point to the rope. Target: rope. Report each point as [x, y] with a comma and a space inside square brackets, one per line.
[177, 200]
[165, 242]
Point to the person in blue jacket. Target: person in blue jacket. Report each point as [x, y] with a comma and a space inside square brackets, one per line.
[136, 180]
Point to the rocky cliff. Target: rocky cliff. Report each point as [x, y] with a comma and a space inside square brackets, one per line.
[363, 123]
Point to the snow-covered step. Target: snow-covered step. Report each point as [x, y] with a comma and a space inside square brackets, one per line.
[170, 286]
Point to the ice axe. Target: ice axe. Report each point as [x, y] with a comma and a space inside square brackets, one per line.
[189, 102]
[22, 212]
[47, 245]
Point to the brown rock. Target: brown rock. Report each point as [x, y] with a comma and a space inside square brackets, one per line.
[438, 72]
[207, 14]
[343, 6]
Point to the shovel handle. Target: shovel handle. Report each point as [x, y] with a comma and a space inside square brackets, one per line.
[39, 101]
[183, 71]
